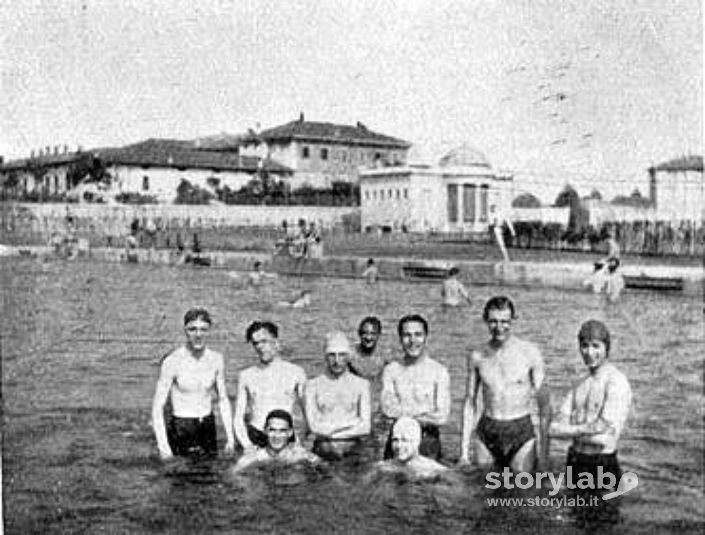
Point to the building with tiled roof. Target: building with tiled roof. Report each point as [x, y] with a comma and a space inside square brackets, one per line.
[154, 167]
[321, 153]
[677, 189]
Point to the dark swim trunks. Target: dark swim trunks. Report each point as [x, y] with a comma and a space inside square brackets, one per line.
[504, 438]
[430, 442]
[589, 462]
[257, 437]
[192, 436]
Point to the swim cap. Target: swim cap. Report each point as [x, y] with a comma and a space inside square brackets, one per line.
[409, 428]
[595, 330]
[337, 342]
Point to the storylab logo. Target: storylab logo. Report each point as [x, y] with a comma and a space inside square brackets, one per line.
[583, 480]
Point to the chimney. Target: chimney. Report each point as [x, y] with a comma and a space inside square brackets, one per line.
[40, 152]
[79, 148]
[56, 150]
[66, 149]
[31, 153]
[361, 126]
[301, 117]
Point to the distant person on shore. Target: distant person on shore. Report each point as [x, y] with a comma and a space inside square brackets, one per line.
[189, 376]
[368, 359]
[497, 222]
[271, 384]
[418, 387]
[338, 404]
[405, 443]
[595, 411]
[453, 291]
[303, 300]
[314, 241]
[279, 445]
[371, 273]
[505, 375]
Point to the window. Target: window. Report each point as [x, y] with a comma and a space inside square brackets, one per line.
[398, 194]
[305, 152]
[145, 183]
[469, 193]
[390, 193]
[406, 193]
[367, 195]
[452, 203]
[374, 195]
[324, 154]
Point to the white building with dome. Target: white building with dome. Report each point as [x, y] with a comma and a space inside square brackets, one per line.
[454, 195]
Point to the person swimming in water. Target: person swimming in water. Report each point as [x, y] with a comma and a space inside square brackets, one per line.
[368, 359]
[406, 439]
[303, 300]
[188, 375]
[454, 293]
[280, 446]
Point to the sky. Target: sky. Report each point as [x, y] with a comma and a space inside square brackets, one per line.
[589, 93]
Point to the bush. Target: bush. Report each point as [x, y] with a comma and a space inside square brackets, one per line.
[135, 198]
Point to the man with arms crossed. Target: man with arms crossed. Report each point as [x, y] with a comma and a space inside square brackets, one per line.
[418, 387]
[270, 384]
[507, 372]
[338, 404]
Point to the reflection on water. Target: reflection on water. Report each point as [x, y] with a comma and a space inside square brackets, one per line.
[80, 351]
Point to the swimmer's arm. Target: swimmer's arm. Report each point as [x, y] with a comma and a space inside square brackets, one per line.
[166, 379]
[245, 461]
[441, 395]
[299, 390]
[469, 410]
[362, 424]
[312, 414]
[613, 415]
[562, 428]
[224, 404]
[391, 404]
[239, 416]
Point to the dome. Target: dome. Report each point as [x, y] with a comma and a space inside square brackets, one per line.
[464, 156]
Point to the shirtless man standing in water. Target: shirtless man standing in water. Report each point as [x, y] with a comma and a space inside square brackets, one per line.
[508, 373]
[338, 404]
[271, 384]
[188, 375]
[418, 387]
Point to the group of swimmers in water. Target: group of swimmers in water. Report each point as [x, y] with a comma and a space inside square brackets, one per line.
[366, 394]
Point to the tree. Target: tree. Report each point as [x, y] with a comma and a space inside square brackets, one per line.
[635, 199]
[526, 200]
[595, 194]
[567, 197]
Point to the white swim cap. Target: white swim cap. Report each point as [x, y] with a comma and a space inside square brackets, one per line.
[337, 342]
[409, 428]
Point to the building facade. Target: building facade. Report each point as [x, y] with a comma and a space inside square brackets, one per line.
[154, 168]
[677, 189]
[323, 153]
[455, 195]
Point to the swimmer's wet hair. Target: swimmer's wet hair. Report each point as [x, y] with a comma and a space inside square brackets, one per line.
[280, 414]
[453, 271]
[255, 326]
[257, 264]
[595, 330]
[498, 302]
[372, 320]
[370, 261]
[194, 314]
[409, 318]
